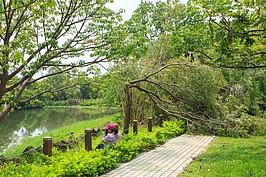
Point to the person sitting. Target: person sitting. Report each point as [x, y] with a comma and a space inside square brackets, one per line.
[110, 137]
[117, 134]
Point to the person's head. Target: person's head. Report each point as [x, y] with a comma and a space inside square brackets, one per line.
[110, 128]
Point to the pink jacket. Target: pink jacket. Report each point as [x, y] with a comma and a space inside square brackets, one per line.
[111, 138]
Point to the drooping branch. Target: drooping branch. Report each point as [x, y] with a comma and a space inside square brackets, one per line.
[157, 71]
[156, 99]
[167, 91]
[242, 67]
[164, 96]
[228, 28]
[151, 93]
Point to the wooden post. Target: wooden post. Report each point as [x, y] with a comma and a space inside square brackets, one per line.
[47, 146]
[160, 121]
[127, 108]
[88, 139]
[135, 126]
[150, 124]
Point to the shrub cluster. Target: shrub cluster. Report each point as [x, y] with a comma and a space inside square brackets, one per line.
[90, 102]
[61, 103]
[79, 162]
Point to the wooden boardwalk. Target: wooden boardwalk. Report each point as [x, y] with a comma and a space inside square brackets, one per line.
[167, 160]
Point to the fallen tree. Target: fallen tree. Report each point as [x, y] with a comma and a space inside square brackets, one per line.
[192, 93]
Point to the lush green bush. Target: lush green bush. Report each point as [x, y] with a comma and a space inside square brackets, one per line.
[29, 105]
[79, 162]
[90, 102]
[61, 103]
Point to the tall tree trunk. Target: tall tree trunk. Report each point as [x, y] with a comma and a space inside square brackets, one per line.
[8, 106]
[127, 109]
[5, 110]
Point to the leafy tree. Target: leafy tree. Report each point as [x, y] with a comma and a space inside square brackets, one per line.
[131, 38]
[221, 33]
[185, 31]
[235, 30]
[231, 34]
[248, 86]
[90, 89]
[37, 35]
[183, 90]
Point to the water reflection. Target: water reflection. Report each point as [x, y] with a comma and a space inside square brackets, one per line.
[22, 133]
[39, 131]
[28, 123]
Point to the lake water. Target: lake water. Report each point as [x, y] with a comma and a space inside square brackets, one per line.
[29, 123]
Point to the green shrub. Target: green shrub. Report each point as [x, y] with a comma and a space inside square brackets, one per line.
[61, 103]
[90, 102]
[79, 162]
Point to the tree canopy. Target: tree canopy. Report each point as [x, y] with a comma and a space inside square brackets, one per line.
[207, 33]
[37, 35]
[235, 31]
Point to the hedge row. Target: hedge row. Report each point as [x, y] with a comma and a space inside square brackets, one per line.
[79, 162]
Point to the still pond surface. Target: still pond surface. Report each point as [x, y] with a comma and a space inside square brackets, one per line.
[29, 123]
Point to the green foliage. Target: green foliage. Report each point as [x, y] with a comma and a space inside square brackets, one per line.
[261, 129]
[60, 103]
[248, 87]
[89, 90]
[41, 50]
[170, 130]
[234, 120]
[111, 91]
[34, 104]
[118, 118]
[78, 162]
[230, 33]
[90, 102]
[200, 37]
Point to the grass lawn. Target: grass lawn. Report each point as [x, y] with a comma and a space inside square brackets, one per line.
[231, 157]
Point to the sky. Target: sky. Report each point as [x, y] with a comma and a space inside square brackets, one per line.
[129, 6]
